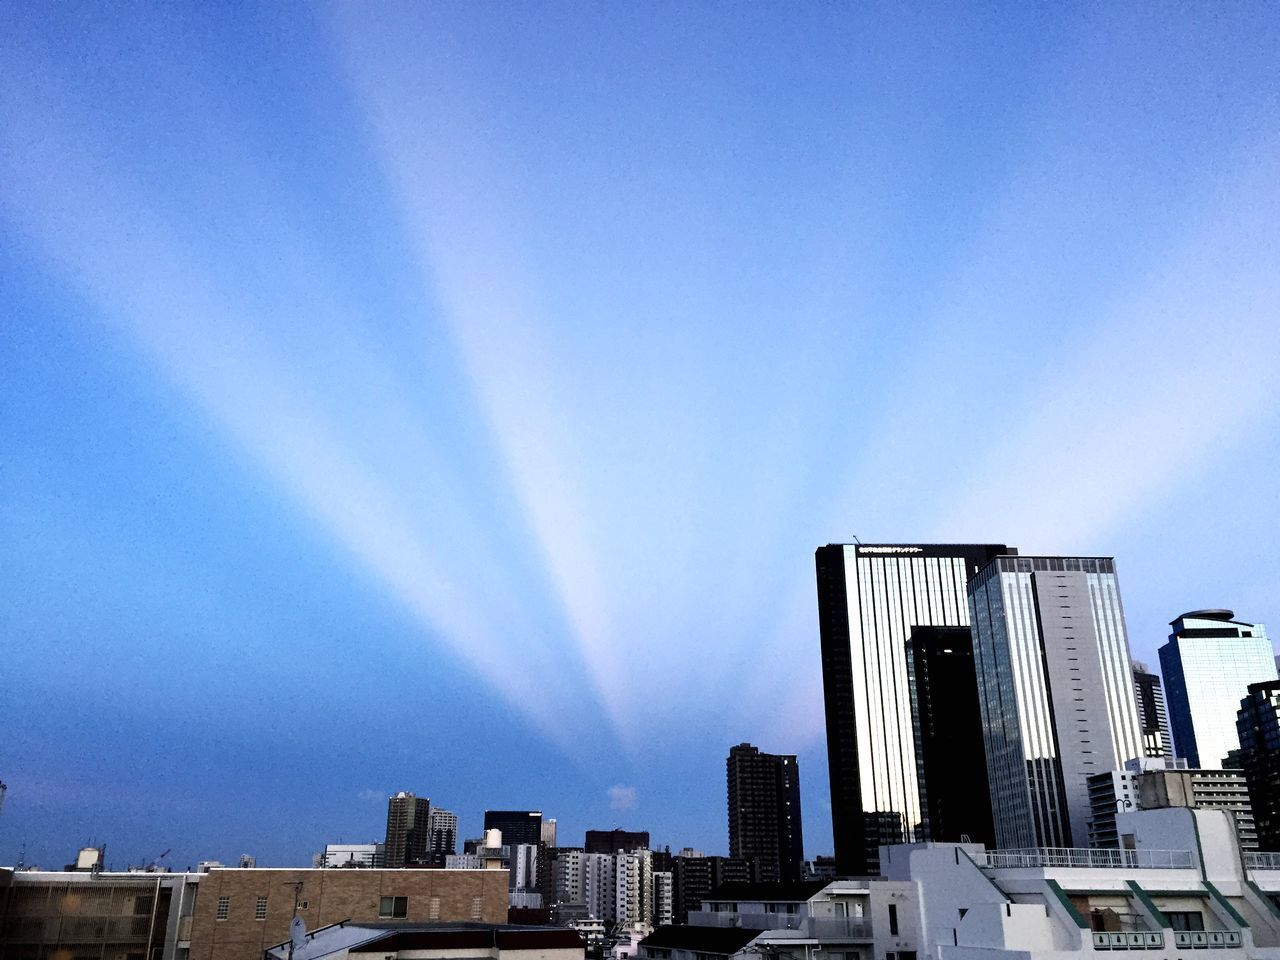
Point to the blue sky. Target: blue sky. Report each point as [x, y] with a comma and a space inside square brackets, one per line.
[450, 397]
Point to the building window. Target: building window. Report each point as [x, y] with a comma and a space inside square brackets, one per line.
[224, 908]
[893, 919]
[1185, 920]
[477, 908]
[433, 909]
[394, 908]
[260, 909]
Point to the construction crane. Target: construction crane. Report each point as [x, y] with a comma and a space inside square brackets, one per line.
[156, 861]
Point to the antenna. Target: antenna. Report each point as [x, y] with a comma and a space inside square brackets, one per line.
[856, 540]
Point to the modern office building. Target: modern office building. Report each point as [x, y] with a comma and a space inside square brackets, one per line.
[408, 838]
[1258, 726]
[870, 599]
[1056, 691]
[764, 811]
[1156, 741]
[611, 841]
[948, 726]
[517, 826]
[1208, 663]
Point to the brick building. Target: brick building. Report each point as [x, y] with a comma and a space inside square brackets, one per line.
[240, 913]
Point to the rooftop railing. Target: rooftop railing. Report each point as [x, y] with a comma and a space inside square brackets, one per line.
[1085, 857]
[1262, 861]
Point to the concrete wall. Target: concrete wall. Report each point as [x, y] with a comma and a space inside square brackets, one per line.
[331, 896]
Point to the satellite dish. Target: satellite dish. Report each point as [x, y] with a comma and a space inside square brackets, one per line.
[297, 933]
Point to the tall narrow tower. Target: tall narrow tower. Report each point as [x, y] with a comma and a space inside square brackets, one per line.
[408, 830]
[764, 811]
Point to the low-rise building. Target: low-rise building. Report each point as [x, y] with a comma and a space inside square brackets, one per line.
[47, 914]
[241, 913]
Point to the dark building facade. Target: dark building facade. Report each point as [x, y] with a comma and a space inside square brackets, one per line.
[517, 826]
[870, 599]
[408, 831]
[1156, 741]
[764, 811]
[693, 879]
[948, 726]
[1258, 724]
[611, 841]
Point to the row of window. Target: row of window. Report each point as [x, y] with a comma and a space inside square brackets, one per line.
[224, 908]
[389, 908]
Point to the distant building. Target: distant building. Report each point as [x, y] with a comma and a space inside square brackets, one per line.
[443, 827]
[1208, 664]
[870, 598]
[408, 831]
[517, 826]
[617, 888]
[548, 835]
[248, 861]
[764, 811]
[364, 856]
[948, 732]
[1152, 716]
[242, 913]
[1258, 724]
[820, 868]
[1056, 689]
[611, 841]
[694, 876]
[1154, 783]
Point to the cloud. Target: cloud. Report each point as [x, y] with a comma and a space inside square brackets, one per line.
[622, 798]
[370, 795]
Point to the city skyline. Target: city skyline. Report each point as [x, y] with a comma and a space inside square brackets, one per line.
[450, 398]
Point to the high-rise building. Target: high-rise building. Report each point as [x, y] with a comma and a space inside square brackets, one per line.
[1151, 713]
[548, 831]
[408, 834]
[1258, 726]
[764, 811]
[443, 827]
[870, 598]
[1208, 663]
[949, 745]
[1056, 691]
[611, 841]
[517, 826]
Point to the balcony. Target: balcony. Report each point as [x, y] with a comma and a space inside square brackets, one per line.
[1085, 857]
[1135, 940]
[813, 928]
[1206, 939]
[1262, 861]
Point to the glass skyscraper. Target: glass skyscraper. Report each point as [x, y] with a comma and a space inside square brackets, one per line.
[1208, 663]
[1156, 741]
[870, 599]
[1055, 689]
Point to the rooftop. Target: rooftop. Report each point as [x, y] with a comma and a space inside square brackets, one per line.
[726, 940]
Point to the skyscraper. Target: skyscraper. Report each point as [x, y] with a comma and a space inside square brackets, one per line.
[1056, 691]
[764, 811]
[949, 745]
[870, 598]
[1151, 713]
[1208, 664]
[517, 826]
[408, 833]
[1258, 726]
